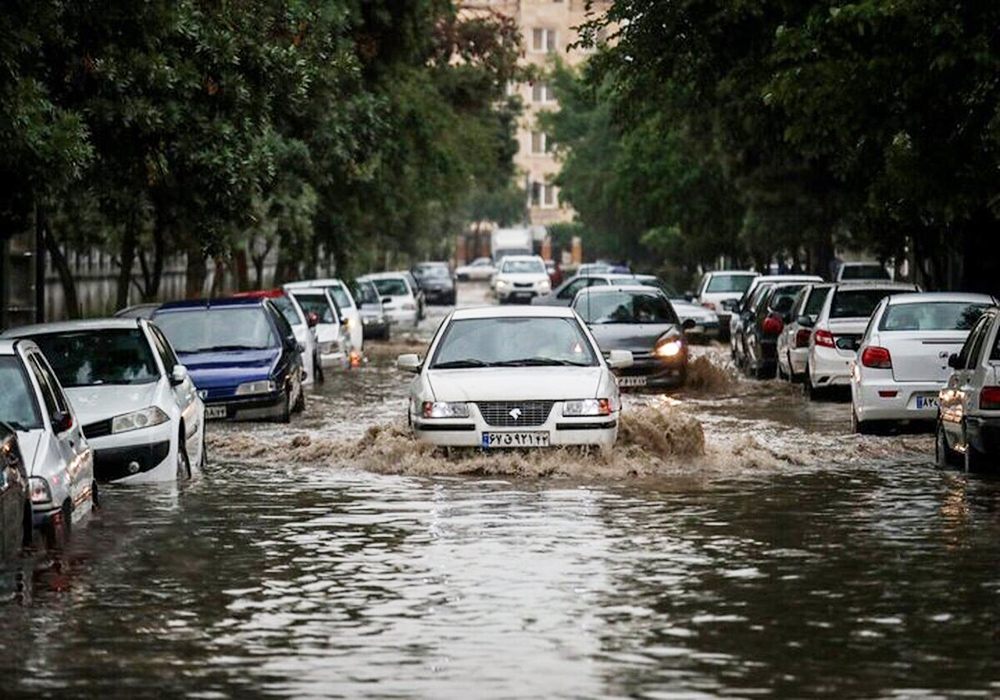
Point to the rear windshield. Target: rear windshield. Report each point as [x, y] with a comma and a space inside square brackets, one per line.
[864, 272]
[817, 297]
[392, 287]
[18, 407]
[512, 342]
[857, 303]
[729, 283]
[86, 358]
[218, 329]
[317, 304]
[624, 307]
[932, 316]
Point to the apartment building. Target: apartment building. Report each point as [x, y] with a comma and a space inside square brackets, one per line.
[548, 29]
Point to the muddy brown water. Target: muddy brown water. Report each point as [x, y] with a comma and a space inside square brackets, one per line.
[738, 543]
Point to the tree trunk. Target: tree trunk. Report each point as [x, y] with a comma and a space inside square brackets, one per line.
[126, 260]
[287, 269]
[62, 267]
[240, 273]
[194, 283]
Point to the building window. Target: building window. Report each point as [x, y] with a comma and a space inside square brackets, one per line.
[540, 143]
[541, 93]
[543, 40]
[544, 195]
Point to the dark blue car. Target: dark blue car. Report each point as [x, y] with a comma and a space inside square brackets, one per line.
[241, 354]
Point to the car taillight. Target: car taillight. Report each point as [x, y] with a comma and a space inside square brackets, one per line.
[989, 398]
[773, 325]
[876, 357]
[824, 338]
[802, 338]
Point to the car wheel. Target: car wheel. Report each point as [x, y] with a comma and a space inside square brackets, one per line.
[58, 529]
[944, 456]
[300, 403]
[183, 461]
[860, 427]
[285, 415]
[811, 392]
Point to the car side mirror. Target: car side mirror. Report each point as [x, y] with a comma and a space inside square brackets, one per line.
[408, 363]
[688, 324]
[620, 359]
[953, 361]
[386, 300]
[178, 374]
[312, 318]
[805, 322]
[62, 421]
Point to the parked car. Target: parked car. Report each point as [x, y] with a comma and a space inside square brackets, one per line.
[15, 497]
[139, 409]
[303, 325]
[479, 270]
[373, 317]
[968, 423]
[145, 311]
[838, 329]
[521, 278]
[595, 268]
[345, 302]
[57, 456]
[855, 271]
[241, 354]
[721, 291]
[902, 362]
[564, 294]
[418, 294]
[332, 335]
[642, 320]
[398, 298]
[793, 343]
[436, 282]
[737, 315]
[764, 324]
[528, 377]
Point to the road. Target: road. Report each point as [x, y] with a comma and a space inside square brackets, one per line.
[739, 542]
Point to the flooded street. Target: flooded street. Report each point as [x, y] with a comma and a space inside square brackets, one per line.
[738, 542]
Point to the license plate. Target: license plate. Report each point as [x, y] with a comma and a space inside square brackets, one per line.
[215, 412]
[527, 439]
[632, 381]
[927, 402]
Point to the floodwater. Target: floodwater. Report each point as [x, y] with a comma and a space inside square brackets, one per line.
[739, 543]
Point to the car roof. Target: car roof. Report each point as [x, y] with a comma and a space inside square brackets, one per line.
[209, 303]
[309, 291]
[745, 273]
[260, 294]
[324, 282]
[875, 284]
[788, 278]
[97, 324]
[644, 288]
[513, 312]
[918, 297]
[7, 345]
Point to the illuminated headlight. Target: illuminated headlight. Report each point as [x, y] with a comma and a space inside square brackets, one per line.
[502, 284]
[40, 492]
[351, 322]
[671, 348]
[587, 407]
[136, 420]
[265, 386]
[544, 286]
[444, 409]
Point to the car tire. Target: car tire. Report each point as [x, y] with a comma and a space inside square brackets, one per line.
[944, 456]
[183, 461]
[57, 534]
[860, 427]
[300, 403]
[285, 415]
[811, 392]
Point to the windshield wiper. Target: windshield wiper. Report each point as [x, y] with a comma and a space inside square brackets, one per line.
[225, 348]
[460, 364]
[539, 362]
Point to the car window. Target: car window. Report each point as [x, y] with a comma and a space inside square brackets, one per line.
[99, 357]
[340, 296]
[857, 303]
[758, 297]
[729, 283]
[287, 308]
[163, 349]
[513, 341]
[816, 300]
[392, 287]
[316, 304]
[932, 316]
[365, 293]
[977, 347]
[51, 393]
[781, 299]
[968, 350]
[284, 328]
[18, 404]
[864, 272]
[625, 307]
[219, 329]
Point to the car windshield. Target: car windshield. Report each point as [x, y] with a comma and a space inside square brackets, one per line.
[624, 307]
[365, 293]
[287, 309]
[435, 272]
[874, 271]
[111, 356]
[218, 329]
[339, 295]
[392, 287]
[523, 267]
[817, 297]
[18, 407]
[317, 304]
[513, 342]
[857, 303]
[729, 283]
[932, 316]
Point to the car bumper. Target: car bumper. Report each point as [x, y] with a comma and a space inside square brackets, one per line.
[439, 295]
[889, 400]
[656, 374]
[401, 317]
[983, 434]
[600, 431]
[148, 454]
[376, 329]
[523, 296]
[246, 408]
[830, 367]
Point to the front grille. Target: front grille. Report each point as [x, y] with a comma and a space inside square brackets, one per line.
[523, 285]
[97, 429]
[528, 413]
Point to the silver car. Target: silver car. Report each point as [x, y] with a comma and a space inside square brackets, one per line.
[793, 343]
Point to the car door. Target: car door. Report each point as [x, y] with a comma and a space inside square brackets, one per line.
[955, 399]
[184, 393]
[291, 356]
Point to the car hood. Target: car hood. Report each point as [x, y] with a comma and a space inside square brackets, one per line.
[636, 337]
[99, 402]
[219, 369]
[686, 309]
[515, 383]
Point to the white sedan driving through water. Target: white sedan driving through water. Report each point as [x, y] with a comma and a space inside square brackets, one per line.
[523, 378]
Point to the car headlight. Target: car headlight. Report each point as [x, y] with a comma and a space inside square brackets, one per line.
[544, 286]
[264, 386]
[40, 492]
[444, 409]
[587, 407]
[669, 348]
[502, 284]
[136, 420]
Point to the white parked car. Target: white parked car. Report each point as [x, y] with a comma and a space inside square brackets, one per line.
[332, 338]
[902, 362]
[57, 457]
[968, 426]
[140, 410]
[793, 343]
[399, 298]
[721, 291]
[528, 377]
[837, 333]
[520, 278]
[479, 270]
[742, 307]
[345, 304]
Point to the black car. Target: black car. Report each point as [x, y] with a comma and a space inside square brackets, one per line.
[15, 504]
[767, 317]
[436, 282]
